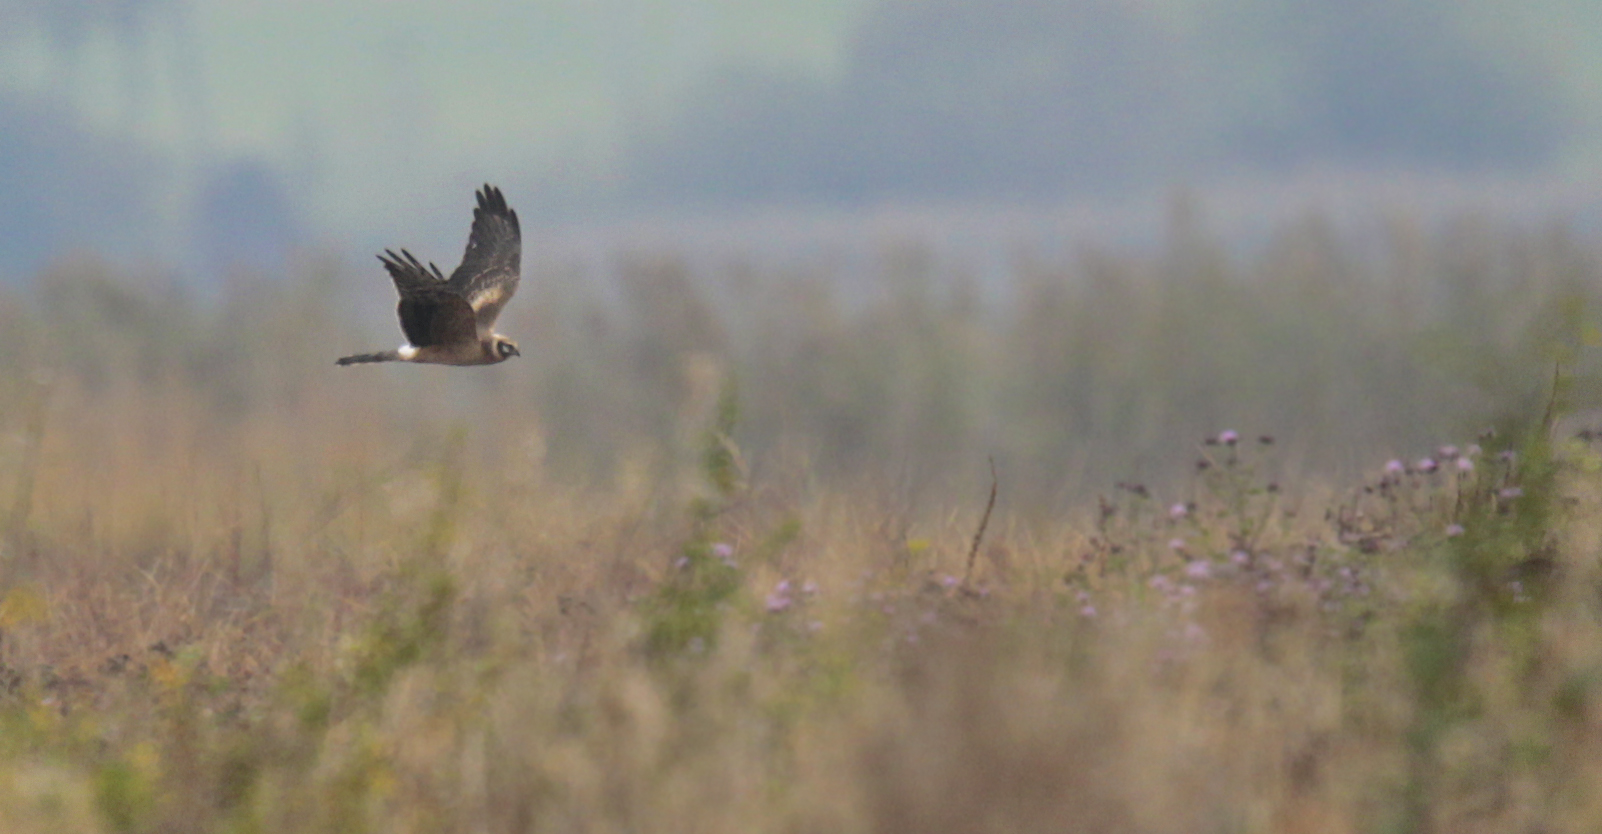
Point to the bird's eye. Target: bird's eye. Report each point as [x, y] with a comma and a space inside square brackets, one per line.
[507, 349]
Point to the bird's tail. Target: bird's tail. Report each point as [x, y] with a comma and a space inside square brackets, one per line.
[382, 356]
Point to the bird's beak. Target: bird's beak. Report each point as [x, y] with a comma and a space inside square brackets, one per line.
[515, 351]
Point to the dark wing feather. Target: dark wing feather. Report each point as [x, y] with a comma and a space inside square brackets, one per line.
[431, 312]
[408, 272]
[489, 271]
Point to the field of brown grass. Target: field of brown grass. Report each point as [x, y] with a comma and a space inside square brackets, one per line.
[706, 560]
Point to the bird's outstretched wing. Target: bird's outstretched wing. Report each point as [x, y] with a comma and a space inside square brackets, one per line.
[489, 271]
[431, 311]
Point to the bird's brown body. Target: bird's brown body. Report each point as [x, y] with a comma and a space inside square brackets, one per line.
[451, 321]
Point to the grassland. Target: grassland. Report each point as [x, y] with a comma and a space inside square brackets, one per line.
[706, 558]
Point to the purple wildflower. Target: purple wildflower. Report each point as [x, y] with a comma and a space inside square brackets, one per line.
[1395, 467]
[1454, 530]
[1509, 493]
[1228, 437]
[1178, 511]
[1427, 465]
[780, 599]
[1199, 569]
[1176, 544]
[1465, 465]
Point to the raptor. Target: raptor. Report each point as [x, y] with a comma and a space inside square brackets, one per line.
[451, 321]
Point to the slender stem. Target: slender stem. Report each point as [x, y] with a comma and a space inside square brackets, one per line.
[973, 552]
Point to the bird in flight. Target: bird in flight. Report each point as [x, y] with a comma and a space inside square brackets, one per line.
[451, 321]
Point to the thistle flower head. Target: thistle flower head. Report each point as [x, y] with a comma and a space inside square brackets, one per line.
[779, 599]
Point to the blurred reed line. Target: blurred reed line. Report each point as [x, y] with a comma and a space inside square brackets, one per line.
[1071, 370]
[35, 410]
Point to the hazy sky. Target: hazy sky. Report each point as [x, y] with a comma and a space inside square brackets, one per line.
[352, 119]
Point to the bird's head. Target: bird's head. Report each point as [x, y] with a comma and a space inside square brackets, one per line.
[505, 349]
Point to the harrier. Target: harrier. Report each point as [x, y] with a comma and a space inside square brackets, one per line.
[452, 321]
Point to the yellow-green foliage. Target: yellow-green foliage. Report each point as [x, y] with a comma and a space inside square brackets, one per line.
[605, 588]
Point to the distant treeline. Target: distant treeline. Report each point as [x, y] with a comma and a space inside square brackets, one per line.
[1037, 99]
[935, 102]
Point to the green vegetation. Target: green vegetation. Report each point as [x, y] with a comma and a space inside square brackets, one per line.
[701, 561]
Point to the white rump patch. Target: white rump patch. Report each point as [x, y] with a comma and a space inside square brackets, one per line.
[407, 352]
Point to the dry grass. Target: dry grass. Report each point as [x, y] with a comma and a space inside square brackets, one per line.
[202, 635]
